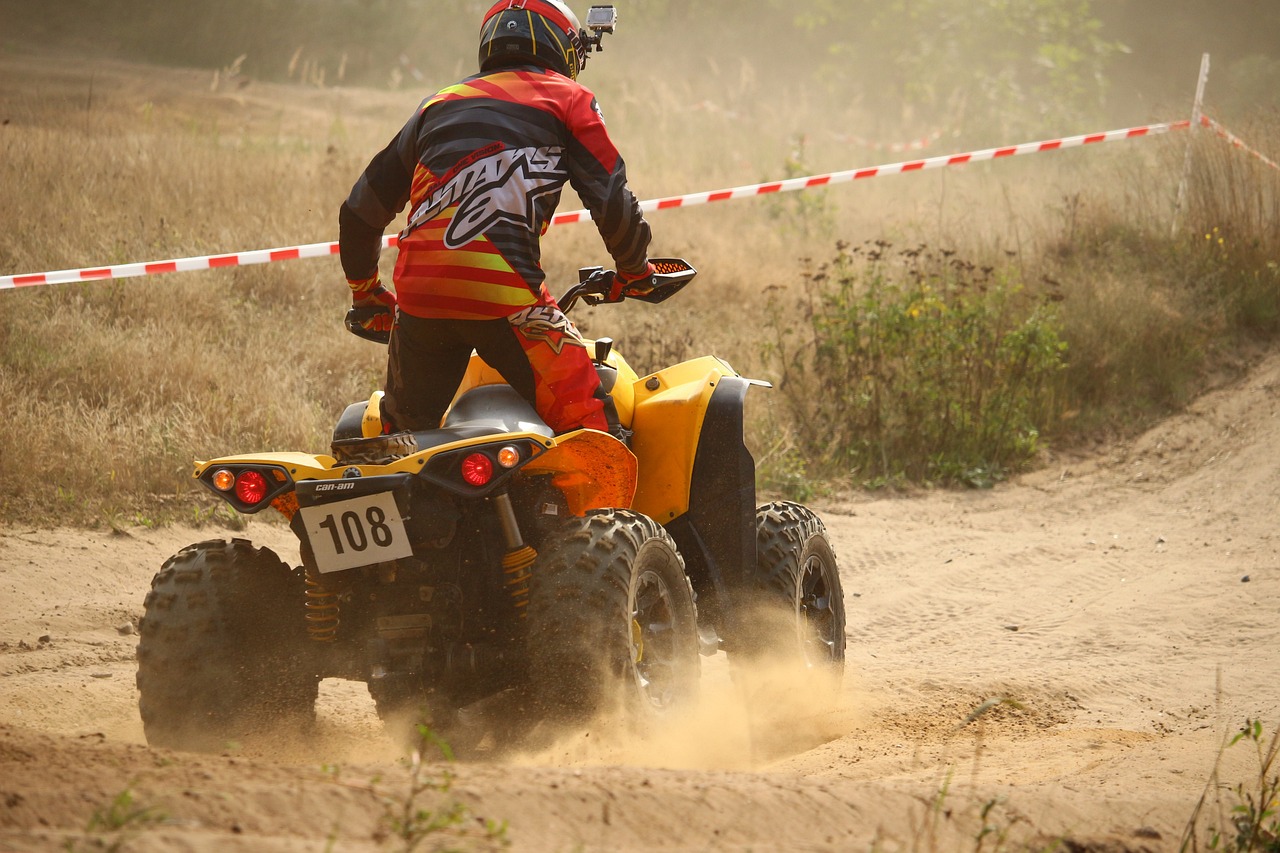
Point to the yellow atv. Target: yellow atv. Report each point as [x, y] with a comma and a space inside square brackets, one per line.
[491, 559]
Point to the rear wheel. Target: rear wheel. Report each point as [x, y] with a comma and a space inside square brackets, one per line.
[612, 623]
[222, 648]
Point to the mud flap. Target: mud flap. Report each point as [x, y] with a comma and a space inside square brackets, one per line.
[717, 535]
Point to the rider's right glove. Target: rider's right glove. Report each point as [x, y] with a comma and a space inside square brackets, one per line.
[625, 284]
[373, 310]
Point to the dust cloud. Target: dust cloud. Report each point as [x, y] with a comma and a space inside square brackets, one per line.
[742, 720]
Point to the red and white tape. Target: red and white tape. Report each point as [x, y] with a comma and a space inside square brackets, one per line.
[203, 262]
[315, 250]
[1236, 141]
[794, 184]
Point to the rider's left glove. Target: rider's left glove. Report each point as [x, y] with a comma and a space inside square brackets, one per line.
[373, 309]
[628, 284]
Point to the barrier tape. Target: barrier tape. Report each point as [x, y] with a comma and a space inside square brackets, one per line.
[315, 250]
[1236, 141]
[794, 184]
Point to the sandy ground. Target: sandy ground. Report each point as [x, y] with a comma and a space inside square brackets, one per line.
[1123, 607]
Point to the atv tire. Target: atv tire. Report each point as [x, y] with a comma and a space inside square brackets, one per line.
[795, 601]
[222, 648]
[612, 623]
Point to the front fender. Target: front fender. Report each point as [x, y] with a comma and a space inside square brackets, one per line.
[670, 408]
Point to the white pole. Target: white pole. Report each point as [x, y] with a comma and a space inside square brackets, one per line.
[1197, 110]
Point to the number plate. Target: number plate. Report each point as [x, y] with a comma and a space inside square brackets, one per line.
[356, 532]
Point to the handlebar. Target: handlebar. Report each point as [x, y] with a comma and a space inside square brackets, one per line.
[594, 287]
[595, 284]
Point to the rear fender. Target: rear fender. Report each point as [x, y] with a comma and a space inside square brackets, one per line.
[281, 470]
[304, 466]
[592, 469]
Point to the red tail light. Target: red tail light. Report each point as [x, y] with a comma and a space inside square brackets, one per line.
[477, 469]
[251, 487]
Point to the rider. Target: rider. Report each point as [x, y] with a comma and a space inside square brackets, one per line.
[482, 165]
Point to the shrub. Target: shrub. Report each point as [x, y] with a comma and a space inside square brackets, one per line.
[917, 364]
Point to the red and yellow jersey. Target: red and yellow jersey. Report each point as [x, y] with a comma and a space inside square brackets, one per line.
[482, 165]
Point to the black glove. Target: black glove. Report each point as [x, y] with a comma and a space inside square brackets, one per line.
[373, 310]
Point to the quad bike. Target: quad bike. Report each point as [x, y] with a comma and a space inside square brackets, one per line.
[493, 559]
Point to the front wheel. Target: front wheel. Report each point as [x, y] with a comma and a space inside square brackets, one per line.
[612, 623]
[787, 645]
[222, 648]
[796, 602]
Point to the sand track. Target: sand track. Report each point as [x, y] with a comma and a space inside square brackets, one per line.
[1124, 606]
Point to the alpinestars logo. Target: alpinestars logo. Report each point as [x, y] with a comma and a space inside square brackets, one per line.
[548, 324]
[501, 186]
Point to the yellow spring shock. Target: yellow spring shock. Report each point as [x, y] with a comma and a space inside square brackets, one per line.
[517, 563]
[321, 612]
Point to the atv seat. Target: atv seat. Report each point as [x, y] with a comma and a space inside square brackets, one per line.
[487, 410]
[483, 411]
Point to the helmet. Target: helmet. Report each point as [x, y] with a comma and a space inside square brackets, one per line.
[541, 32]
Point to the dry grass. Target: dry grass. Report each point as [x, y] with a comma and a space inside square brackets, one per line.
[112, 388]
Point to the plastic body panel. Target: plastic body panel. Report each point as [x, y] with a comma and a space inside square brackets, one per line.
[670, 406]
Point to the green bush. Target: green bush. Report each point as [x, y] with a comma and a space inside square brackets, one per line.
[917, 364]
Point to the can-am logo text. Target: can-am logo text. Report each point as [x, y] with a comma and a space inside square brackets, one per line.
[334, 487]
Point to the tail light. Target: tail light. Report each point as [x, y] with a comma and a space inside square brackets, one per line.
[477, 469]
[248, 488]
[251, 487]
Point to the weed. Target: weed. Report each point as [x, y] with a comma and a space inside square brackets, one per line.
[118, 822]
[411, 824]
[782, 469]
[996, 826]
[918, 364]
[1248, 813]
[805, 214]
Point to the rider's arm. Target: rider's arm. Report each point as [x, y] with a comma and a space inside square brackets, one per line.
[599, 176]
[375, 200]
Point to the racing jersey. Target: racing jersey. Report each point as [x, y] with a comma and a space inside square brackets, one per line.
[482, 165]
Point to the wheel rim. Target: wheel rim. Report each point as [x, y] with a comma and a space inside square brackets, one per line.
[654, 640]
[817, 615]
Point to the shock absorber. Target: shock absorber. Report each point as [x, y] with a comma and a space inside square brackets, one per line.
[322, 611]
[517, 563]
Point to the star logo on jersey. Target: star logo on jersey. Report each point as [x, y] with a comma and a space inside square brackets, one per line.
[504, 186]
[549, 325]
[511, 197]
